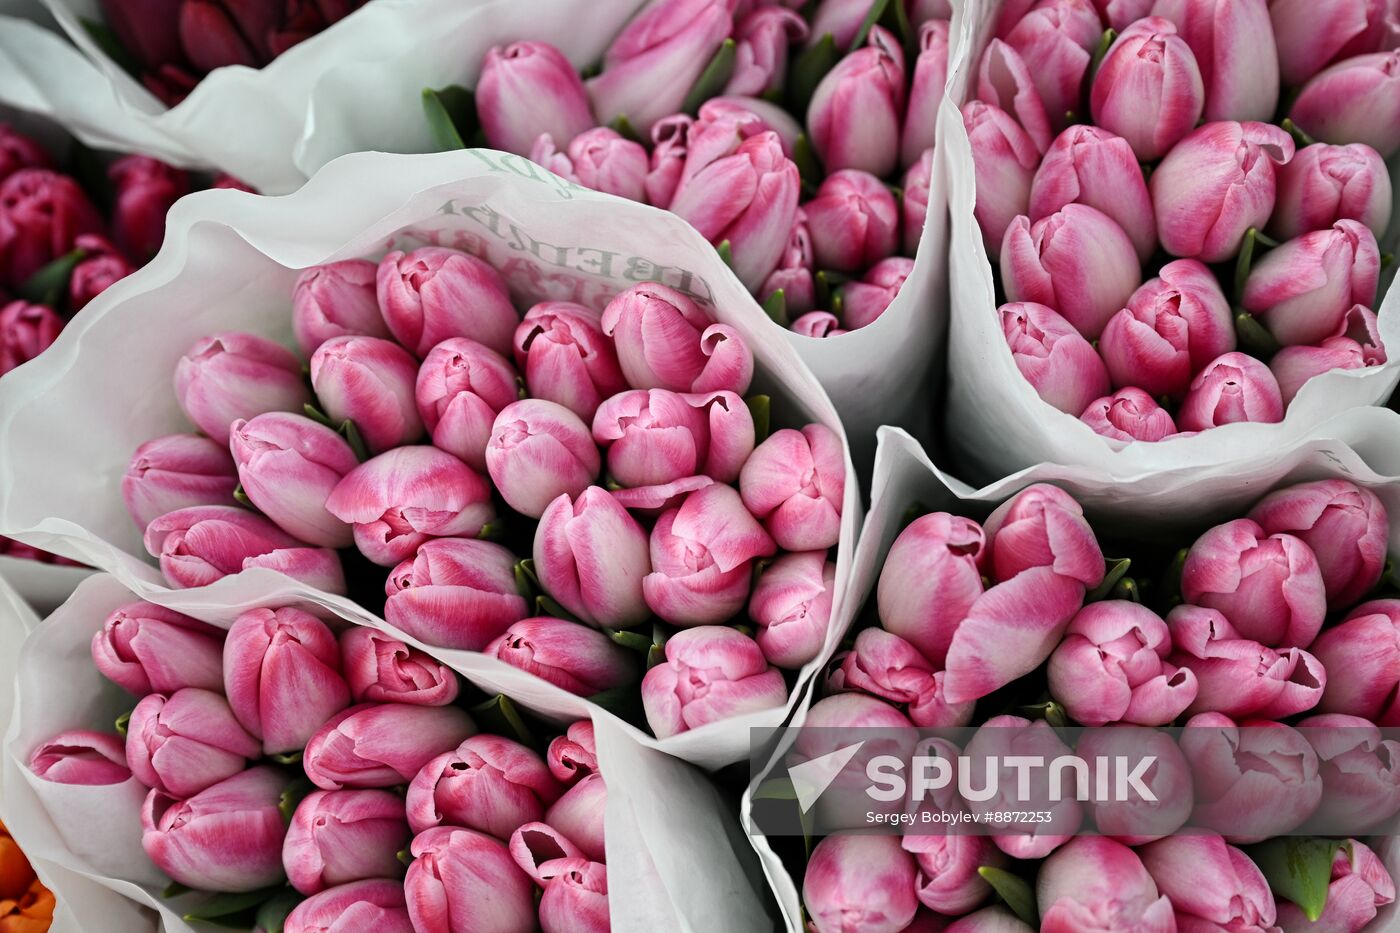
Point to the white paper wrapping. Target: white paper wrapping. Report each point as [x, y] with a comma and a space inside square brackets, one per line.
[669, 832]
[70, 420]
[1000, 425]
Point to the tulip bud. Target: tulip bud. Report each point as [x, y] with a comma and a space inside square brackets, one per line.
[1293, 367]
[382, 744]
[575, 899]
[925, 92]
[988, 920]
[96, 273]
[1132, 819]
[794, 273]
[914, 204]
[818, 324]
[465, 880]
[539, 451]
[433, 293]
[282, 676]
[1361, 326]
[1302, 290]
[1364, 650]
[287, 466]
[145, 191]
[1077, 261]
[670, 139]
[201, 544]
[1004, 81]
[565, 357]
[869, 877]
[721, 127]
[1324, 184]
[488, 783]
[336, 300]
[1112, 668]
[930, 580]
[710, 673]
[456, 593]
[1004, 160]
[761, 56]
[1043, 526]
[1214, 185]
[601, 159]
[665, 341]
[1210, 884]
[656, 59]
[1148, 89]
[43, 214]
[1232, 388]
[887, 666]
[591, 556]
[795, 482]
[1310, 36]
[226, 838]
[947, 880]
[701, 558]
[1088, 165]
[1096, 883]
[1344, 525]
[654, 437]
[579, 815]
[233, 375]
[174, 472]
[573, 657]
[1129, 415]
[186, 743]
[18, 151]
[1055, 40]
[856, 111]
[460, 389]
[1233, 42]
[339, 836]
[1354, 101]
[361, 905]
[573, 755]
[1360, 772]
[1056, 360]
[1361, 884]
[369, 381]
[381, 669]
[26, 330]
[144, 648]
[864, 301]
[526, 89]
[80, 756]
[406, 496]
[791, 604]
[854, 221]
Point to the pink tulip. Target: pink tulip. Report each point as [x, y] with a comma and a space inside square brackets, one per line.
[80, 756]
[1238, 676]
[1361, 326]
[433, 293]
[988, 920]
[1302, 290]
[601, 159]
[226, 838]
[529, 88]
[575, 899]
[573, 657]
[654, 437]
[1354, 101]
[1232, 388]
[925, 92]
[761, 56]
[18, 151]
[1112, 667]
[287, 466]
[1324, 184]
[670, 137]
[1233, 42]
[1004, 81]
[856, 111]
[1088, 165]
[914, 204]
[1129, 415]
[174, 472]
[574, 754]
[590, 556]
[201, 544]
[1055, 41]
[26, 330]
[1130, 818]
[381, 669]
[1360, 771]
[100, 269]
[845, 802]
[186, 743]
[579, 816]
[992, 750]
[1364, 651]
[42, 214]
[407, 496]
[1042, 526]
[1310, 36]
[854, 221]
[565, 357]
[536, 845]
[233, 375]
[1211, 885]
[1148, 89]
[369, 381]
[361, 905]
[1077, 261]
[1361, 885]
[710, 673]
[336, 300]
[465, 880]
[145, 648]
[1055, 359]
[1293, 367]
[1098, 884]
[818, 324]
[930, 580]
[145, 191]
[791, 604]
[455, 593]
[884, 665]
[655, 61]
[282, 676]
[860, 882]
[488, 783]
[340, 836]
[664, 341]
[840, 19]
[1215, 184]
[382, 744]
[864, 301]
[1344, 525]
[795, 483]
[948, 881]
[794, 273]
[720, 127]
[539, 451]
[1004, 160]
[460, 389]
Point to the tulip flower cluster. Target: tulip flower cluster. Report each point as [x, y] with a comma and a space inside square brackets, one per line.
[613, 452]
[393, 772]
[1128, 185]
[683, 116]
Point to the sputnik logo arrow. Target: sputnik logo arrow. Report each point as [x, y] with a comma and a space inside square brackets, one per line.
[811, 778]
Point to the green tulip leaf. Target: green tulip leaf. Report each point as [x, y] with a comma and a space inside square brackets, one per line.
[726, 253]
[624, 128]
[451, 116]
[1298, 869]
[500, 716]
[1117, 569]
[809, 165]
[50, 283]
[353, 437]
[1100, 50]
[272, 915]
[761, 408]
[241, 497]
[124, 722]
[493, 530]
[1050, 711]
[292, 795]
[807, 72]
[633, 641]
[872, 16]
[1014, 890]
[223, 905]
[713, 79]
[1300, 138]
[318, 416]
[1253, 338]
[775, 306]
